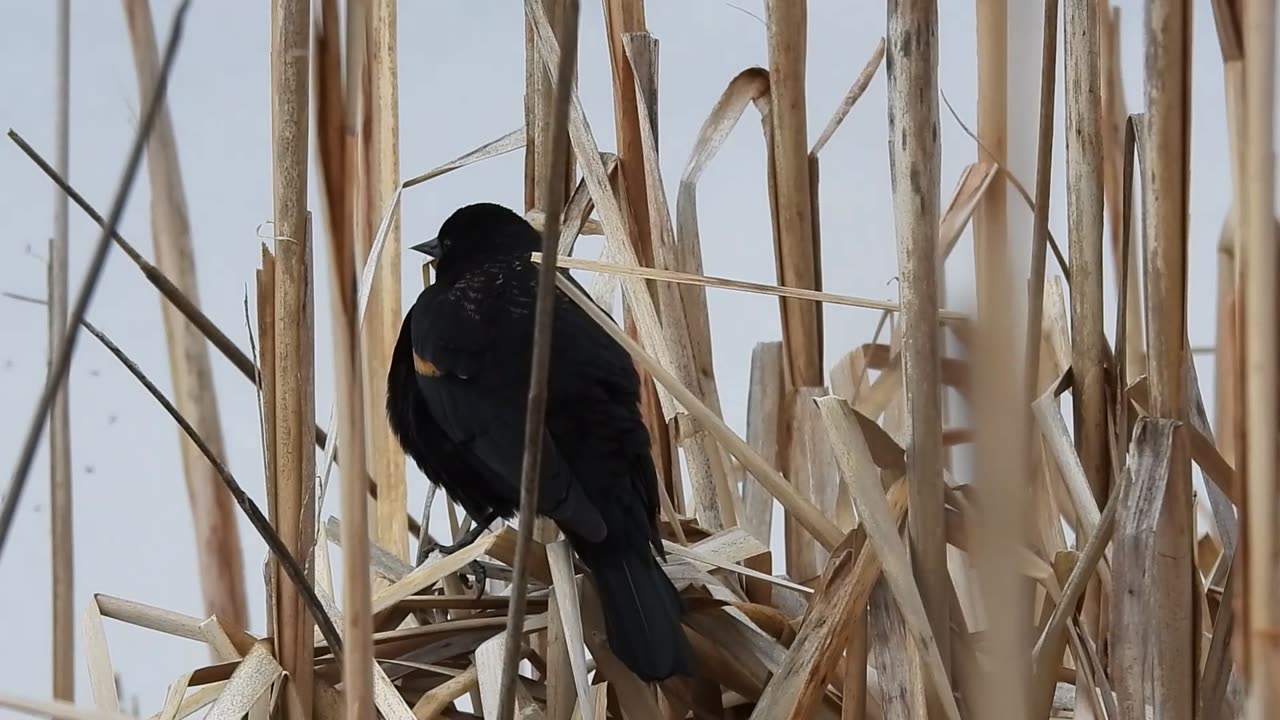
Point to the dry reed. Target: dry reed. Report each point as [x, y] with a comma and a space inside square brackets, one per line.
[62, 570]
[1175, 648]
[904, 592]
[61, 359]
[556, 143]
[212, 511]
[380, 143]
[1260, 382]
[290, 458]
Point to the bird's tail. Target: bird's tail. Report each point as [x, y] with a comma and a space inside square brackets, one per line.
[641, 614]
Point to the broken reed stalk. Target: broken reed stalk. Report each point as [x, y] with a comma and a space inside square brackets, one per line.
[218, 551]
[915, 174]
[62, 571]
[61, 360]
[682, 310]
[1260, 352]
[623, 17]
[292, 569]
[1084, 229]
[795, 250]
[557, 144]
[1174, 624]
[293, 457]
[1113, 130]
[539, 99]
[383, 316]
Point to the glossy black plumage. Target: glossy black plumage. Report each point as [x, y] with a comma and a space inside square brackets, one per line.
[456, 395]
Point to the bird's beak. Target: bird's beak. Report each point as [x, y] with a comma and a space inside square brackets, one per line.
[430, 248]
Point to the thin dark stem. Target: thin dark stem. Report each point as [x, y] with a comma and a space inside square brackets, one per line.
[557, 139]
[192, 312]
[1040, 222]
[61, 360]
[171, 292]
[1013, 180]
[259, 521]
[1080, 576]
[256, 518]
[424, 535]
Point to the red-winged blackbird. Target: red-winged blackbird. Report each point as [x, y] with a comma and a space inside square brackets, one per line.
[457, 391]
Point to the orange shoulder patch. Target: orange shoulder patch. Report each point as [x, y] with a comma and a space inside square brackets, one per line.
[425, 367]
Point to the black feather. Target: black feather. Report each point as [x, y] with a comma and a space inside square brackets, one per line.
[463, 423]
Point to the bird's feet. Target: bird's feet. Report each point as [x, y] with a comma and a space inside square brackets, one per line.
[479, 574]
[479, 577]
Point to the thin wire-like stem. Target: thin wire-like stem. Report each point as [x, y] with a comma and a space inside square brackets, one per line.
[219, 558]
[63, 569]
[1015, 182]
[171, 292]
[251, 510]
[259, 521]
[535, 413]
[1040, 216]
[61, 360]
[192, 312]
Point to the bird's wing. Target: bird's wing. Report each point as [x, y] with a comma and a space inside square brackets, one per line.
[593, 370]
[471, 353]
[595, 361]
[422, 437]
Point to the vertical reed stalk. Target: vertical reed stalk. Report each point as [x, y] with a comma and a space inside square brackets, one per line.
[212, 510]
[293, 443]
[915, 173]
[1001, 452]
[1084, 229]
[795, 251]
[1259, 246]
[383, 314]
[1174, 629]
[60, 505]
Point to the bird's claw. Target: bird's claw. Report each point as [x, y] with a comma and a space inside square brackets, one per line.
[480, 577]
[479, 574]
[451, 549]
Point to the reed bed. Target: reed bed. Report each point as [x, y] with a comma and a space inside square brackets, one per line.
[1091, 585]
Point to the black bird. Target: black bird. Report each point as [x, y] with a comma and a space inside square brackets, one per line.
[457, 391]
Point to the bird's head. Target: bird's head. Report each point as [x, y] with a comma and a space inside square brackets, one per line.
[476, 233]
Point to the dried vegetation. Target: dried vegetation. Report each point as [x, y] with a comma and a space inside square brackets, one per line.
[1073, 577]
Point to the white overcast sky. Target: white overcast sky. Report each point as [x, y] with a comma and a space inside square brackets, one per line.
[461, 81]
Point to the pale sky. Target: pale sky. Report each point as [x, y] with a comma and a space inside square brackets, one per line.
[461, 83]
